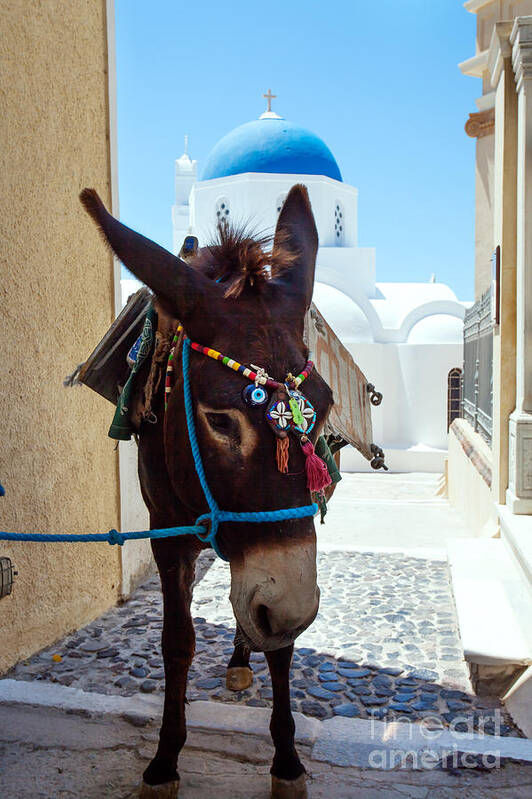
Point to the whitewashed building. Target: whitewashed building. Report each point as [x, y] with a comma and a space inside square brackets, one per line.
[406, 337]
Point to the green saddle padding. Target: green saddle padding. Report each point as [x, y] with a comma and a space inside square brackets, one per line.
[121, 427]
[322, 449]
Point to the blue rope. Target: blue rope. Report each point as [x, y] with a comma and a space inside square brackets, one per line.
[206, 526]
[216, 515]
[112, 537]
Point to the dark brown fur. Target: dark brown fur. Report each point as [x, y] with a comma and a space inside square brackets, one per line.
[254, 314]
[237, 259]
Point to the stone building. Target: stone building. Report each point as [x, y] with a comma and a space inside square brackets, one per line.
[490, 449]
[57, 298]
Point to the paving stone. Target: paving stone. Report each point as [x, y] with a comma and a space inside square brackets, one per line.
[320, 693]
[423, 674]
[454, 704]
[360, 690]
[373, 700]
[93, 646]
[400, 706]
[209, 683]
[348, 710]
[404, 697]
[382, 680]
[107, 653]
[139, 671]
[384, 691]
[424, 697]
[326, 676]
[421, 705]
[333, 686]
[353, 673]
[313, 709]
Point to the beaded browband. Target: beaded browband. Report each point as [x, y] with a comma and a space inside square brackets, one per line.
[258, 377]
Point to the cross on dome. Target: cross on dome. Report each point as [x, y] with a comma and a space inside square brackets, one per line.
[269, 114]
[270, 97]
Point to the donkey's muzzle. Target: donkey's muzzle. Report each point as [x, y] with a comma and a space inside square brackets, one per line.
[274, 592]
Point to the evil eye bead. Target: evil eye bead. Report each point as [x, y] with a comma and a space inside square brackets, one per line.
[254, 395]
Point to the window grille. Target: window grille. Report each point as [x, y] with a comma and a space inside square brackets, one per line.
[454, 395]
[222, 210]
[339, 224]
[478, 367]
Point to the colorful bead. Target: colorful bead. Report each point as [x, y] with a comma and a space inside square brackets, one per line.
[266, 381]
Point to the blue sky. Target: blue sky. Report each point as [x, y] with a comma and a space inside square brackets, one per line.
[378, 82]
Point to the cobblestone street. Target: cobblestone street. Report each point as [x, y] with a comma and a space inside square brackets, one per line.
[385, 643]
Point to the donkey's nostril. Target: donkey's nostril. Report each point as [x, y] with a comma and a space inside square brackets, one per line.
[263, 620]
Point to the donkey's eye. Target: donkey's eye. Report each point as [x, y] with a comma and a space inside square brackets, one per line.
[221, 422]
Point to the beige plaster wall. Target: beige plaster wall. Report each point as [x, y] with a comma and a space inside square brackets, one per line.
[484, 214]
[505, 234]
[467, 490]
[56, 300]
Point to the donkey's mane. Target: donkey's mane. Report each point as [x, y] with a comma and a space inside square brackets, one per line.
[239, 257]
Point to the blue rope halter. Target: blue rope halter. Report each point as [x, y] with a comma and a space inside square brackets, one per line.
[215, 516]
[206, 526]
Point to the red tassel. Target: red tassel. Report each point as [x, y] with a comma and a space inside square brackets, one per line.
[283, 445]
[317, 473]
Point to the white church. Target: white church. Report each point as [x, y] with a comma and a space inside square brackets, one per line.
[406, 337]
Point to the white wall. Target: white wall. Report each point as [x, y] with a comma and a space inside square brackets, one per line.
[411, 422]
[261, 193]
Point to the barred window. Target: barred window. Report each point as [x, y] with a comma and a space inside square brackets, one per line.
[222, 209]
[454, 395]
[339, 224]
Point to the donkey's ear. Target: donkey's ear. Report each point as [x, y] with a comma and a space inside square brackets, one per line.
[182, 290]
[296, 232]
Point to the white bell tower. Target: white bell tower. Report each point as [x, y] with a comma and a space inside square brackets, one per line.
[185, 178]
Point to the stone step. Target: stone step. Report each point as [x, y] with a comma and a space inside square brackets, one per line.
[493, 603]
[516, 532]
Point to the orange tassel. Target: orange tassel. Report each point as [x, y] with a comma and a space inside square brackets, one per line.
[283, 445]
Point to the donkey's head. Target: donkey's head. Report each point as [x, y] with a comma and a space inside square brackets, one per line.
[250, 306]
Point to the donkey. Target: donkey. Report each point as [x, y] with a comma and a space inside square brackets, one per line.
[250, 305]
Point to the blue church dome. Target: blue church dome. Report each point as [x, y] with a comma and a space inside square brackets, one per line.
[271, 144]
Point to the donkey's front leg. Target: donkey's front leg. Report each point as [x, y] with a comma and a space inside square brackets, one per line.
[288, 773]
[176, 567]
[239, 675]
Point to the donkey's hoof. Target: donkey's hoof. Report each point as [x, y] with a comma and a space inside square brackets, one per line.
[238, 678]
[167, 790]
[289, 789]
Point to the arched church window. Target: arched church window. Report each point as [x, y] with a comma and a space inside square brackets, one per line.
[454, 395]
[279, 203]
[222, 209]
[339, 224]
